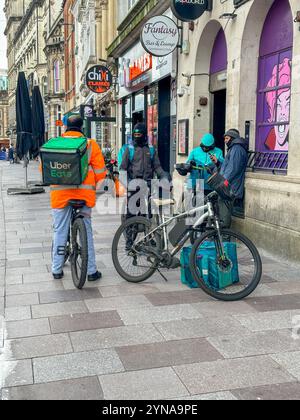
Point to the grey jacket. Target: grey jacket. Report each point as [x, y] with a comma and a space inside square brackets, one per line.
[142, 166]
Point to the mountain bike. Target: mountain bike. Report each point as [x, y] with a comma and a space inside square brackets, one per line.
[231, 254]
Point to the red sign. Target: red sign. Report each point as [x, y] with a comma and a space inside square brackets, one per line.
[99, 79]
[140, 66]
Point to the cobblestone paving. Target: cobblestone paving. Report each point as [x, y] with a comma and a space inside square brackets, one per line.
[115, 340]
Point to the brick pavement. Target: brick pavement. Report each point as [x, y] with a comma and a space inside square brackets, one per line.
[115, 340]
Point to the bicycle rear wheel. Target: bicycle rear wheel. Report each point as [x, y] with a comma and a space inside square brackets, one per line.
[79, 255]
[229, 276]
[132, 262]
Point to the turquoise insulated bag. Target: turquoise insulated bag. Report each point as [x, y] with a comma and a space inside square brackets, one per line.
[212, 275]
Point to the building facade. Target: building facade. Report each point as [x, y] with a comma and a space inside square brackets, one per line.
[26, 20]
[241, 70]
[4, 136]
[146, 84]
[53, 85]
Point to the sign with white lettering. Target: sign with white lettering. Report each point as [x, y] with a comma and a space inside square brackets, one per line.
[99, 79]
[188, 10]
[160, 36]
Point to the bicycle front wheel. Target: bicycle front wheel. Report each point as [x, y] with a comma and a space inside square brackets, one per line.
[229, 270]
[129, 250]
[79, 255]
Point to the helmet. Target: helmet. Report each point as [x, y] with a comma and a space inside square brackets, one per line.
[75, 121]
[208, 143]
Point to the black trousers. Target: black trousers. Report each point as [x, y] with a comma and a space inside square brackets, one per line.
[225, 212]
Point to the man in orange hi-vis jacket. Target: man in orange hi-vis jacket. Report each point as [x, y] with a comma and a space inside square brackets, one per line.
[61, 195]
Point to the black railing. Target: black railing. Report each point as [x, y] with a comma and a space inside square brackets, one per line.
[275, 162]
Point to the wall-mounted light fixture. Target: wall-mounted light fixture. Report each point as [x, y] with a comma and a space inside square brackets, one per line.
[189, 77]
[228, 16]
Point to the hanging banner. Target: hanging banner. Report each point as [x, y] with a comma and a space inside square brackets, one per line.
[160, 36]
[99, 79]
[190, 10]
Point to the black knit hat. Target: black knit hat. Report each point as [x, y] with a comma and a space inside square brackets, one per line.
[233, 133]
[75, 121]
[140, 128]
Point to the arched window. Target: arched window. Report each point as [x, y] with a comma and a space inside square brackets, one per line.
[56, 76]
[274, 79]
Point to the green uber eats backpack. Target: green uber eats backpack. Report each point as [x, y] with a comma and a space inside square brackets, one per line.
[132, 152]
[65, 161]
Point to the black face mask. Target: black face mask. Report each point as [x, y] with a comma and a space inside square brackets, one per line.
[207, 149]
[140, 140]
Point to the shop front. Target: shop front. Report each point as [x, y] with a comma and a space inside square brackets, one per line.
[145, 96]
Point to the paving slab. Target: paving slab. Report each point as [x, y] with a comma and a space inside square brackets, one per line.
[219, 309]
[267, 342]
[27, 328]
[69, 295]
[84, 389]
[151, 384]
[275, 303]
[290, 362]
[76, 365]
[148, 315]
[216, 396]
[28, 348]
[114, 337]
[21, 300]
[178, 297]
[116, 303]
[268, 321]
[170, 353]
[227, 375]
[34, 288]
[277, 392]
[202, 327]
[18, 314]
[85, 322]
[14, 373]
[127, 290]
[58, 309]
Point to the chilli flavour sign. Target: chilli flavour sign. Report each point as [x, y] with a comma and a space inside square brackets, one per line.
[99, 79]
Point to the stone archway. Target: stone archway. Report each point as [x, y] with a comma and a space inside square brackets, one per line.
[203, 119]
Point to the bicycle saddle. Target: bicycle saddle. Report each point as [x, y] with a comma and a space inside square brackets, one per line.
[161, 203]
[213, 197]
[77, 204]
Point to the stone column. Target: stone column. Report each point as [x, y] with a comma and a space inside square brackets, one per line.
[104, 28]
[294, 146]
[98, 19]
[111, 21]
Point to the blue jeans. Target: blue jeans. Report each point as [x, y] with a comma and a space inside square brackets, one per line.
[61, 226]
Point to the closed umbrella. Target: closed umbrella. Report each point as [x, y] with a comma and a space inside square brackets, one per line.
[25, 144]
[23, 116]
[38, 121]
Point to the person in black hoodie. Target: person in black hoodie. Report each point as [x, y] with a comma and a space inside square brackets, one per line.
[233, 169]
[142, 164]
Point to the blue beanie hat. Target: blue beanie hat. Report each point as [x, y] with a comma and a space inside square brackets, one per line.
[208, 140]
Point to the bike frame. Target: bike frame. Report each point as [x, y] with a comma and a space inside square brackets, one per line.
[208, 213]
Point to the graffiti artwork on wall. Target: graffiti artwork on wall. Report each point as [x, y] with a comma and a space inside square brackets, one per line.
[278, 97]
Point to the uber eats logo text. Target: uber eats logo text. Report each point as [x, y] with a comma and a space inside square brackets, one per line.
[60, 170]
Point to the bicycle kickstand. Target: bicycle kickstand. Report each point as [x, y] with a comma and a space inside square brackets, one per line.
[165, 279]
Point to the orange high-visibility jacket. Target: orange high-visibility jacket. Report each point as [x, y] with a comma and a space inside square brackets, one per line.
[60, 194]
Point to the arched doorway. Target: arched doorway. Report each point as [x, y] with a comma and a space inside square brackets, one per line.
[274, 79]
[218, 77]
[210, 82]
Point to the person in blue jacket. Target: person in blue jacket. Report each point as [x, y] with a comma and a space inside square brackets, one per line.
[202, 156]
[233, 169]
